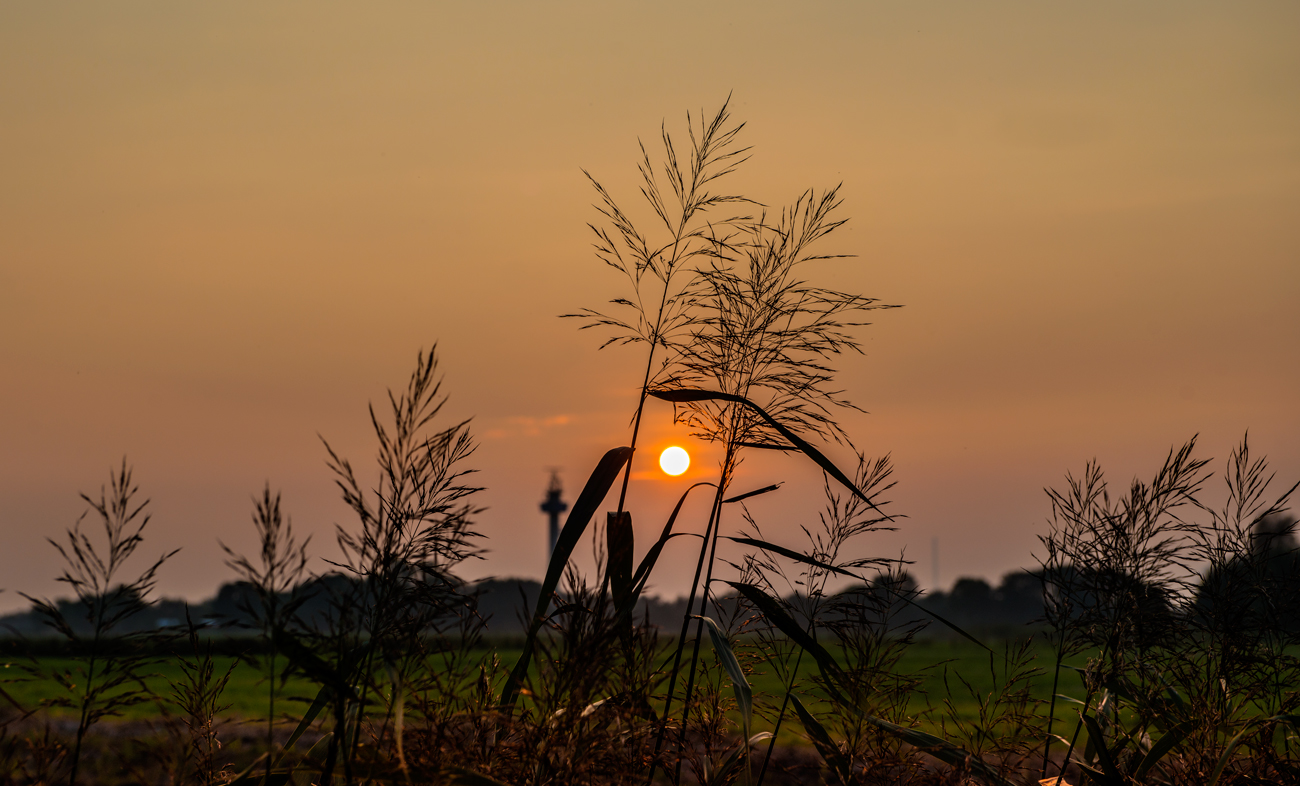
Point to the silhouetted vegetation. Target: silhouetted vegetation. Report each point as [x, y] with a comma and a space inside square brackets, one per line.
[1181, 621]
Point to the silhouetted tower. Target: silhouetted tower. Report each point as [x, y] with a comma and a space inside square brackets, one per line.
[553, 507]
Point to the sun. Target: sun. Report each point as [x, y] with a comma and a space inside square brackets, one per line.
[674, 460]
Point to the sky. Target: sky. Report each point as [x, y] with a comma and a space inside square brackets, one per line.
[226, 228]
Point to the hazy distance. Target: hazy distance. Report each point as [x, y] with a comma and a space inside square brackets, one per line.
[225, 228]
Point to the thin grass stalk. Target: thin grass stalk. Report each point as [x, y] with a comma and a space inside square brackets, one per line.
[681, 638]
[656, 340]
[780, 716]
[1074, 738]
[711, 159]
[1051, 717]
[106, 682]
[1089, 693]
[283, 560]
[710, 545]
[735, 421]
[83, 721]
[789, 688]
[816, 577]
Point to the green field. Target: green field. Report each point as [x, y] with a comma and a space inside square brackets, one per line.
[934, 702]
[246, 692]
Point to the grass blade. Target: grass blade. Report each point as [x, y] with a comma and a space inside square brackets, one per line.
[247, 776]
[723, 774]
[598, 485]
[942, 621]
[1107, 763]
[642, 575]
[753, 493]
[805, 559]
[942, 750]
[765, 446]
[244, 776]
[1242, 736]
[322, 699]
[794, 555]
[744, 694]
[830, 752]
[1160, 749]
[777, 616]
[687, 396]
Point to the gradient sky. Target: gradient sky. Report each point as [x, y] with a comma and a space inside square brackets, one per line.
[226, 227]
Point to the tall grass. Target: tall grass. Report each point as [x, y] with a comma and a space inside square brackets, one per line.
[753, 348]
[370, 646]
[275, 578]
[1179, 616]
[198, 694]
[659, 311]
[109, 664]
[1193, 653]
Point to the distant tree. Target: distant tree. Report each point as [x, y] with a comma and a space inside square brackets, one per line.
[1020, 596]
[504, 604]
[232, 602]
[1258, 589]
[972, 598]
[892, 592]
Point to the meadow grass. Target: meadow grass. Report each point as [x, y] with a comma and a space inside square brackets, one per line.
[1174, 673]
[245, 695]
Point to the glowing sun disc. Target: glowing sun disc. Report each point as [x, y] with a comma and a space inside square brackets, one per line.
[674, 460]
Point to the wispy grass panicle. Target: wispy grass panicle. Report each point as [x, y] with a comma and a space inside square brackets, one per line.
[687, 232]
[1114, 568]
[1238, 663]
[659, 311]
[1123, 560]
[395, 589]
[275, 578]
[417, 512]
[107, 675]
[198, 693]
[1176, 603]
[764, 333]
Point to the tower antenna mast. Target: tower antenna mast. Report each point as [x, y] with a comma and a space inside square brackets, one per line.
[553, 507]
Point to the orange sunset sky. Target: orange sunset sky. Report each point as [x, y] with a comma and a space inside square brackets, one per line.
[226, 227]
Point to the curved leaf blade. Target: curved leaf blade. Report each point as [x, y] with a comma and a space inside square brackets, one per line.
[754, 493]
[593, 493]
[805, 559]
[1242, 736]
[777, 616]
[1159, 750]
[1098, 738]
[941, 749]
[740, 685]
[828, 466]
[821, 740]
[642, 575]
